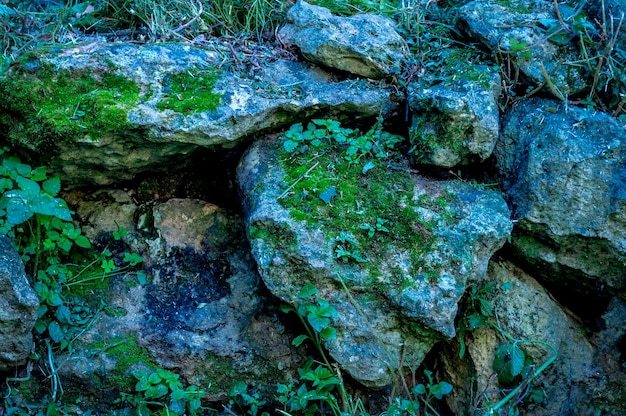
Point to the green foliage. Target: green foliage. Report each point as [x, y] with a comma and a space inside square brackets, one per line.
[246, 402]
[339, 177]
[422, 395]
[160, 392]
[40, 224]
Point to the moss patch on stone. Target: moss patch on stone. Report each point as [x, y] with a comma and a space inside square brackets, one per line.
[42, 105]
[377, 207]
[126, 354]
[190, 91]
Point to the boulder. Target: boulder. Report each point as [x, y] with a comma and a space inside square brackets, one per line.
[201, 313]
[103, 113]
[391, 251]
[18, 309]
[364, 44]
[455, 120]
[527, 314]
[529, 36]
[564, 175]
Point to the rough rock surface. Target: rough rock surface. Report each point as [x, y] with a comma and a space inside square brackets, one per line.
[520, 31]
[363, 44]
[145, 133]
[200, 315]
[18, 308]
[390, 306]
[525, 311]
[455, 121]
[564, 174]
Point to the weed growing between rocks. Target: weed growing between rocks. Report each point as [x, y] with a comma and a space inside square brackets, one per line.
[513, 367]
[321, 388]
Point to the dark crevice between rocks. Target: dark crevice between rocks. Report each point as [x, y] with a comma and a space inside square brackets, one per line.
[209, 175]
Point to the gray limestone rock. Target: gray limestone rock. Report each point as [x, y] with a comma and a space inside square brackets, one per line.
[201, 314]
[455, 121]
[18, 308]
[564, 174]
[395, 303]
[364, 44]
[519, 31]
[139, 108]
[526, 312]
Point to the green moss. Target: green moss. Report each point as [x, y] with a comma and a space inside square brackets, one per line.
[42, 105]
[433, 131]
[126, 354]
[360, 200]
[191, 91]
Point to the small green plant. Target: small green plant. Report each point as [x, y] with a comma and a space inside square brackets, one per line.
[161, 392]
[512, 364]
[40, 224]
[421, 395]
[346, 249]
[379, 226]
[320, 383]
[244, 401]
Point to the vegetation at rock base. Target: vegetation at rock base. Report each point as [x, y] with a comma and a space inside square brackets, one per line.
[64, 268]
[513, 367]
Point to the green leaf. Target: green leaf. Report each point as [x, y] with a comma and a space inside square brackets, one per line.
[29, 186]
[440, 389]
[82, 241]
[108, 266]
[307, 290]
[154, 392]
[419, 389]
[55, 207]
[297, 341]
[318, 323]
[17, 206]
[55, 331]
[367, 167]
[290, 145]
[328, 333]
[517, 359]
[63, 315]
[52, 186]
[132, 258]
[238, 388]
[328, 195]
[54, 299]
[38, 174]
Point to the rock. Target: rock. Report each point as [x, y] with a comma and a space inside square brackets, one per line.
[202, 314]
[608, 386]
[107, 112]
[364, 44]
[402, 296]
[455, 121]
[18, 309]
[531, 46]
[526, 312]
[564, 174]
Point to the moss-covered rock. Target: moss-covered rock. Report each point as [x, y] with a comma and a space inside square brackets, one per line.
[390, 250]
[102, 113]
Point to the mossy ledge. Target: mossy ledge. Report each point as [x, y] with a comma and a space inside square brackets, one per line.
[43, 105]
